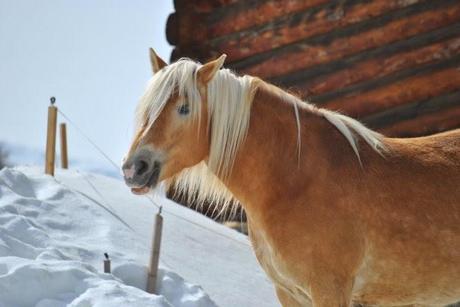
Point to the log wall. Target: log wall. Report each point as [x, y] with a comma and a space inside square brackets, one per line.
[394, 64]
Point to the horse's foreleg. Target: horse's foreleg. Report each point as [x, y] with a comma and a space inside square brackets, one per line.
[287, 299]
[327, 290]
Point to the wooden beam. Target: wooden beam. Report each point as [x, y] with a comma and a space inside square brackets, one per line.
[250, 14]
[194, 24]
[398, 76]
[379, 67]
[173, 29]
[427, 124]
[415, 88]
[344, 43]
[405, 45]
[182, 29]
[412, 110]
[292, 28]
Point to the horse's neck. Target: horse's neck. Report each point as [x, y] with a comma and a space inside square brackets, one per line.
[267, 163]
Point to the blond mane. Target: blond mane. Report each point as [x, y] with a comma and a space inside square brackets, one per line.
[229, 106]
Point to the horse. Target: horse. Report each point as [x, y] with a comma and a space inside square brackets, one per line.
[338, 214]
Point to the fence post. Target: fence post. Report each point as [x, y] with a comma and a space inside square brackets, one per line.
[107, 268]
[51, 138]
[155, 254]
[64, 157]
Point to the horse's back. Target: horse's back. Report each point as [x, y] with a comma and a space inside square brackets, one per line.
[444, 146]
[421, 176]
[448, 141]
[413, 223]
[432, 162]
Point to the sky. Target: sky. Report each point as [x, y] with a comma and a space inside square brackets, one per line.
[92, 55]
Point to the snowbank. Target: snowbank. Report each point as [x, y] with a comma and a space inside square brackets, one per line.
[51, 246]
[18, 154]
[54, 231]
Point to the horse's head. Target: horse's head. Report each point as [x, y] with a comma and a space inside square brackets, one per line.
[172, 125]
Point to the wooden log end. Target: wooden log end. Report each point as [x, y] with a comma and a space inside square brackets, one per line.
[172, 29]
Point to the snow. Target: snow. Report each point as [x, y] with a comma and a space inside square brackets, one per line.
[54, 231]
[18, 154]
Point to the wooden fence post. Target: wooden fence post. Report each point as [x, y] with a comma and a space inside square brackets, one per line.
[64, 157]
[155, 254]
[51, 138]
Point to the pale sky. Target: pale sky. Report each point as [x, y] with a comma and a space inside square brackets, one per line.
[92, 55]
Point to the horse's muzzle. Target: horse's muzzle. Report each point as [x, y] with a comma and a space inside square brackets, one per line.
[141, 171]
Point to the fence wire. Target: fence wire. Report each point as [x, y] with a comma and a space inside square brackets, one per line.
[151, 200]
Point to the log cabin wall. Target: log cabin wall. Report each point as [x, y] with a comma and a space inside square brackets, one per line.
[393, 64]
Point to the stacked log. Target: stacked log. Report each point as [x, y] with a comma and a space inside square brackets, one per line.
[394, 64]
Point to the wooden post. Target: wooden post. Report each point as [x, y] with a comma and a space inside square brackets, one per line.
[155, 254]
[64, 157]
[51, 138]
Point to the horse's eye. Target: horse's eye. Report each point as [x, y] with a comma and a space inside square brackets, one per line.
[184, 109]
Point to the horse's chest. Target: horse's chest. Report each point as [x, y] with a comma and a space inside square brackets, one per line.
[271, 263]
[275, 266]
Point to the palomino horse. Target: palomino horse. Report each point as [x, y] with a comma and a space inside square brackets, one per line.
[337, 212]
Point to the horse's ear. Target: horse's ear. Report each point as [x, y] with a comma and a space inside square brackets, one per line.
[156, 61]
[206, 72]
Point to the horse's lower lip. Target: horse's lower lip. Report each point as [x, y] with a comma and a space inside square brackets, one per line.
[140, 191]
[150, 183]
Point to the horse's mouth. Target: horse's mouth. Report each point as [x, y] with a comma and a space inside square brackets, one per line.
[151, 182]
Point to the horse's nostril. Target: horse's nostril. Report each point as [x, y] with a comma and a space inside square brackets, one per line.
[141, 167]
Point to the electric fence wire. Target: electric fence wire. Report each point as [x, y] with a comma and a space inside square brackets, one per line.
[151, 200]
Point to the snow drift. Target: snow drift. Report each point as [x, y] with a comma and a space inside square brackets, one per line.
[54, 231]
